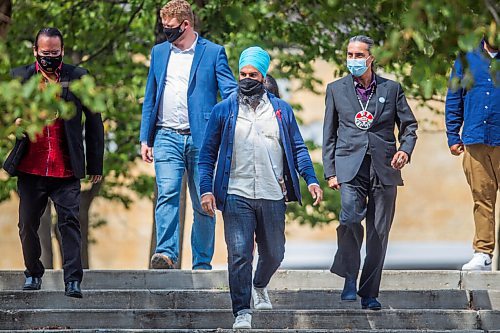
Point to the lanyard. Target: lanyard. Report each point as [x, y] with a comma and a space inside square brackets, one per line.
[364, 108]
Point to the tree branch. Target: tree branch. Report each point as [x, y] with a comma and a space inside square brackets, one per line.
[432, 99]
[111, 41]
[4, 18]
[493, 11]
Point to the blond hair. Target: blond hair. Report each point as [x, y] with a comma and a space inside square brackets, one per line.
[179, 9]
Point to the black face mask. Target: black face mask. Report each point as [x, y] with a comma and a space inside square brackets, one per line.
[49, 64]
[173, 33]
[251, 87]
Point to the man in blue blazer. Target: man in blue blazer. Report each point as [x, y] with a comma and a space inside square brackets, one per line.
[185, 74]
[259, 148]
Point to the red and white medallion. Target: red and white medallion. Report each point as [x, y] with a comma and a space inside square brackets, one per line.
[363, 120]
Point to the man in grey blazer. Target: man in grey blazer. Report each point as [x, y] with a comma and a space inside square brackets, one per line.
[361, 160]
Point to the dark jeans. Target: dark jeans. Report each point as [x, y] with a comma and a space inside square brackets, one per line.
[34, 192]
[364, 196]
[246, 220]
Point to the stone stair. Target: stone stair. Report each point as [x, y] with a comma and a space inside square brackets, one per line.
[303, 301]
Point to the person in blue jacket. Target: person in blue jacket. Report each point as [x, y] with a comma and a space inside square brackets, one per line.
[185, 75]
[254, 139]
[475, 110]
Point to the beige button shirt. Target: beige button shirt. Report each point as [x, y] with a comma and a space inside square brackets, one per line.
[256, 142]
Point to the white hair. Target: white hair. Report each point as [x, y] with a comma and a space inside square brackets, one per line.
[363, 39]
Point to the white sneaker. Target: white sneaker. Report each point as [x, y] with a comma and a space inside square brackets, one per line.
[261, 299]
[243, 321]
[479, 262]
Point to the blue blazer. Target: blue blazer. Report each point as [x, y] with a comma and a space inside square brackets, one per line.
[210, 73]
[219, 139]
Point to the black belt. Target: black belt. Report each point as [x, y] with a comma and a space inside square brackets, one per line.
[186, 131]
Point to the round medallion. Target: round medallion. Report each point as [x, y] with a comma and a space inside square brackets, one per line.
[363, 120]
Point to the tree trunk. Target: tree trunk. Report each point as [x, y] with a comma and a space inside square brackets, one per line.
[497, 253]
[45, 234]
[198, 24]
[182, 222]
[182, 219]
[57, 234]
[152, 245]
[86, 199]
[159, 35]
[5, 17]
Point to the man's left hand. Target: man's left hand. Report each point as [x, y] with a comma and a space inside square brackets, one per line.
[94, 179]
[316, 193]
[399, 160]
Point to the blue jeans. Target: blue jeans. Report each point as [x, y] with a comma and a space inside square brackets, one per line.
[173, 155]
[246, 220]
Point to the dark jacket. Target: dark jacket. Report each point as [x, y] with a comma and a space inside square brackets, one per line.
[94, 130]
[345, 145]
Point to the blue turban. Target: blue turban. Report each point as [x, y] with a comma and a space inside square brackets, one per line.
[257, 57]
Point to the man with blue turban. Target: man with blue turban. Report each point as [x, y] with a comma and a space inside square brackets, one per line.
[253, 138]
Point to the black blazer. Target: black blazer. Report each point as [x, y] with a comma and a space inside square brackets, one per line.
[94, 130]
[345, 145]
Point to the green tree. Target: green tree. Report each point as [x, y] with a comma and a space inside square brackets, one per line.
[112, 40]
[417, 40]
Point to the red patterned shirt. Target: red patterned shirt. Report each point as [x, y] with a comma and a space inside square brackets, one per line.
[48, 155]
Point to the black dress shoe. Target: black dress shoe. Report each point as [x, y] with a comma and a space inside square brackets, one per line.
[73, 289]
[370, 303]
[349, 291]
[32, 283]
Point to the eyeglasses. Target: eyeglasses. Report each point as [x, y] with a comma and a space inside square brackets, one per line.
[53, 53]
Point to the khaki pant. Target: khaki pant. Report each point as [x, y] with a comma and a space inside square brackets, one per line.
[482, 169]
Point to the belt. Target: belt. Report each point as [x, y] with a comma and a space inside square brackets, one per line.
[186, 131]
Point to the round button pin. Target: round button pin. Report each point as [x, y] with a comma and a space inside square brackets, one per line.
[381, 99]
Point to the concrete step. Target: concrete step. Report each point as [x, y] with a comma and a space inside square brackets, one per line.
[283, 279]
[216, 299]
[485, 299]
[290, 319]
[220, 330]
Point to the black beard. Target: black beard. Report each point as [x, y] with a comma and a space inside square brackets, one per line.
[252, 101]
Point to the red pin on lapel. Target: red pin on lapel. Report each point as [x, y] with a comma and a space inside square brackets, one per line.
[278, 114]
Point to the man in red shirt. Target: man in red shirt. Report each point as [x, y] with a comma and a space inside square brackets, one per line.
[51, 166]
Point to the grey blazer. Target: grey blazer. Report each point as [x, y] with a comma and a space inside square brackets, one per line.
[345, 145]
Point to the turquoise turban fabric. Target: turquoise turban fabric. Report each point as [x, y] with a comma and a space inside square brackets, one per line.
[257, 57]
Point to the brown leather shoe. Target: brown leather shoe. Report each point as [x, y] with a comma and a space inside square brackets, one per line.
[161, 261]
